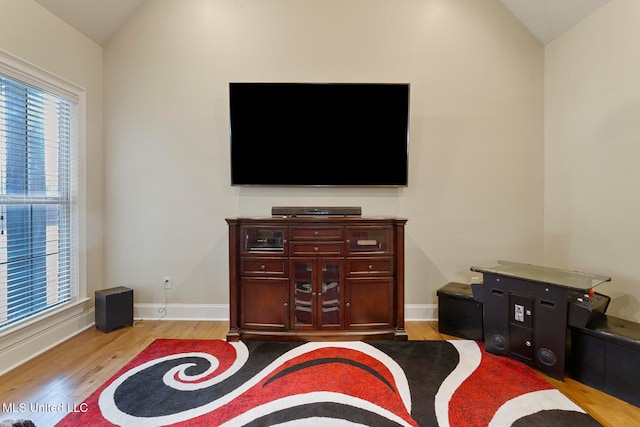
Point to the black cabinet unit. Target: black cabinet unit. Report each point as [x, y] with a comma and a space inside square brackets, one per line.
[526, 311]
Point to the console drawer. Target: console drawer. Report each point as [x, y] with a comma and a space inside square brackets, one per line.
[316, 248]
[370, 266]
[316, 233]
[263, 266]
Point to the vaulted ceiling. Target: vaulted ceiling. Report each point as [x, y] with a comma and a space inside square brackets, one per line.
[96, 19]
[547, 19]
[100, 19]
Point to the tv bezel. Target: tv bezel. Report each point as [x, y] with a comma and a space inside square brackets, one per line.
[329, 185]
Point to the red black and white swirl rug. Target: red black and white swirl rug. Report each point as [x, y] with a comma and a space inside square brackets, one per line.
[258, 383]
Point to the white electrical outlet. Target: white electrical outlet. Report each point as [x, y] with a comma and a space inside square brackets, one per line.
[167, 282]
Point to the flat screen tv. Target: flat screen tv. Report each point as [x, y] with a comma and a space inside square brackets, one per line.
[319, 134]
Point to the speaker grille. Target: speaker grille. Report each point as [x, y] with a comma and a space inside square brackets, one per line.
[499, 342]
[547, 357]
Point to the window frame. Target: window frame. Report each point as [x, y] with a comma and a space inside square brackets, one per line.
[27, 73]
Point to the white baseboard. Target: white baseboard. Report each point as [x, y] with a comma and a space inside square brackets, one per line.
[424, 312]
[33, 340]
[181, 311]
[421, 312]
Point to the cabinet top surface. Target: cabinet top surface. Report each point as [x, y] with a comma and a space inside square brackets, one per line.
[316, 219]
[547, 275]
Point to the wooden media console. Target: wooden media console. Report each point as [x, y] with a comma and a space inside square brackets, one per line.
[316, 278]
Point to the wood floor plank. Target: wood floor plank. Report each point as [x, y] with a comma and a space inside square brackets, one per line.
[68, 373]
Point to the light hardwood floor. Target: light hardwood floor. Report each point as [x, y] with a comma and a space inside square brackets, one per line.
[71, 371]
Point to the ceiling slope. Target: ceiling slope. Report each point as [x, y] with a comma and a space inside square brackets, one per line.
[548, 19]
[96, 19]
[100, 19]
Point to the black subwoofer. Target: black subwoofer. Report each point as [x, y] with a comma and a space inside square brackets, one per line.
[114, 308]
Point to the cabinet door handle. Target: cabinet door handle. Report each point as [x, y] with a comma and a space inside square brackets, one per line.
[348, 304]
[286, 304]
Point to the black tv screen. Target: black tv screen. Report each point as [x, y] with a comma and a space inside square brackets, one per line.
[319, 134]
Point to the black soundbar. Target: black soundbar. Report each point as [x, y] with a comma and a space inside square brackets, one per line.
[294, 211]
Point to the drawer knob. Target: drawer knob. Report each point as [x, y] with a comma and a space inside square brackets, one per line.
[263, 267]
[370, 267]
[316, 233]
[316, 249]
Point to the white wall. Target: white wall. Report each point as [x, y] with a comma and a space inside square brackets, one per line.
[592, 148]
[475, 189]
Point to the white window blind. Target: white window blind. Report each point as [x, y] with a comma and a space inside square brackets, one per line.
[36, 134]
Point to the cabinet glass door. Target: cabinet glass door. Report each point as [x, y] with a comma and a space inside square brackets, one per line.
[330, 281]
[263, 240]
[369, 240]
[303, 293]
